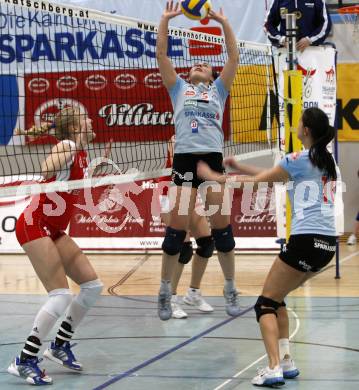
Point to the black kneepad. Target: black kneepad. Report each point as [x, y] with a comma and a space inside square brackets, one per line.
[186, 253]
[172, 244]
[205, 246]
[270, 307]
[223, 239]
[282, 304]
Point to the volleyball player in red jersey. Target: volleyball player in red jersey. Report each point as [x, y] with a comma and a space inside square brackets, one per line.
[201, 231]
[54, 255]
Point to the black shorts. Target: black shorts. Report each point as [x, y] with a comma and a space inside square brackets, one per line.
[184, 168]
[308, 252]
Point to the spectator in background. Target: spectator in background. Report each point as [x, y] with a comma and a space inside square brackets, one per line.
[352, 240]
[313, 22]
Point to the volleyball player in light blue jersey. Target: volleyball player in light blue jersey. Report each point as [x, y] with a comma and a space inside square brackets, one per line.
[198, 114]
[311, 246]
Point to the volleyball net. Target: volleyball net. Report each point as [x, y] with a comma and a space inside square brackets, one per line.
[55, 56]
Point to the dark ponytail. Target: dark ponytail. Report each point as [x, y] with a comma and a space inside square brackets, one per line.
[322, 133]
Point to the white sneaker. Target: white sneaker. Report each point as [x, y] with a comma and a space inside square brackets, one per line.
[177, 311]
[269, 378]
[194, 298]
[290, 371]
[352, 240]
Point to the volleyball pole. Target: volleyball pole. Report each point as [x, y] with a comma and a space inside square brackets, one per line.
[293, 100]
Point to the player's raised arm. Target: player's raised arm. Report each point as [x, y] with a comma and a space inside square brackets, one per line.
[166, 68]
[230, 68]
[59, 158]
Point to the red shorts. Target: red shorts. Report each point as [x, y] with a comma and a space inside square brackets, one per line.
[38, 228]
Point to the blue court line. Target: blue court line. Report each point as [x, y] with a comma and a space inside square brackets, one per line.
[169, 351]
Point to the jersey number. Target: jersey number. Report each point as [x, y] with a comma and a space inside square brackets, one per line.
[329, 188]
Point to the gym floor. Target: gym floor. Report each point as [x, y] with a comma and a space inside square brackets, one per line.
[123, 345]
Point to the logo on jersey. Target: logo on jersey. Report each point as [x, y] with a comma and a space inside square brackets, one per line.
[194, 126]
[191, 103]
[190, 92]
[204, 96]
[201, 114]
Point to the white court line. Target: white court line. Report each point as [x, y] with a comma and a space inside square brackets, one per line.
[262, 357]
[346, 258]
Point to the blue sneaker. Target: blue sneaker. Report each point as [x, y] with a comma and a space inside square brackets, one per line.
[267, 377]
[30, 371]
[63, 355]
[290, 371]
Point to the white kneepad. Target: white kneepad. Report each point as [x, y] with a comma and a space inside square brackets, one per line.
[89, 293]
[58, 302]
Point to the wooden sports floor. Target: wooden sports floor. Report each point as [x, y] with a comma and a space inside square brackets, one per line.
[123, 345]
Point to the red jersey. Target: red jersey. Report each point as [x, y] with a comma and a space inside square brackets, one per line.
[51, 208]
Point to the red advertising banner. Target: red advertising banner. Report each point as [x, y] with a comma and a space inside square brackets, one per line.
[125, 105]
[135, 213]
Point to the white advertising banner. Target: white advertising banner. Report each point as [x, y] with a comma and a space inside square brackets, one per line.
[317, 65]
[10, 209]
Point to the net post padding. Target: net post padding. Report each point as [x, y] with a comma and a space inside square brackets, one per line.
[350, 16]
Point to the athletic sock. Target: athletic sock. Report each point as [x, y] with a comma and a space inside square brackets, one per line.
[229, 285]
[64, 334]
[31, 348]
[283, 348]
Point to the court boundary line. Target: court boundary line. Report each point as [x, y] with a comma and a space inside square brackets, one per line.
[175, 348]
[346, 258]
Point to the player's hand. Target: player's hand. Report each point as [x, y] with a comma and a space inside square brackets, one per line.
[230, 162]
[302, 44]
[172, 10]
[206, 173]
[217, 16]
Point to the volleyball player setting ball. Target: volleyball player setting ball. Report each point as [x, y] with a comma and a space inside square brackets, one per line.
[311, 245]
[54, 255]
[198, 112]
[200, 230]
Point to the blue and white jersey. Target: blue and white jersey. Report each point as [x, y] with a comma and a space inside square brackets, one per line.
[311, 196]
[198, 115]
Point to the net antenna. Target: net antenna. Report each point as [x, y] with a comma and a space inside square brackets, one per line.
[350, 16]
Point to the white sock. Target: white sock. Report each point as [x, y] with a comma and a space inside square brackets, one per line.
[283, 348]
[165, 286]
[43, 323]
[229, 285]
[59, 299]
[49, 313]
